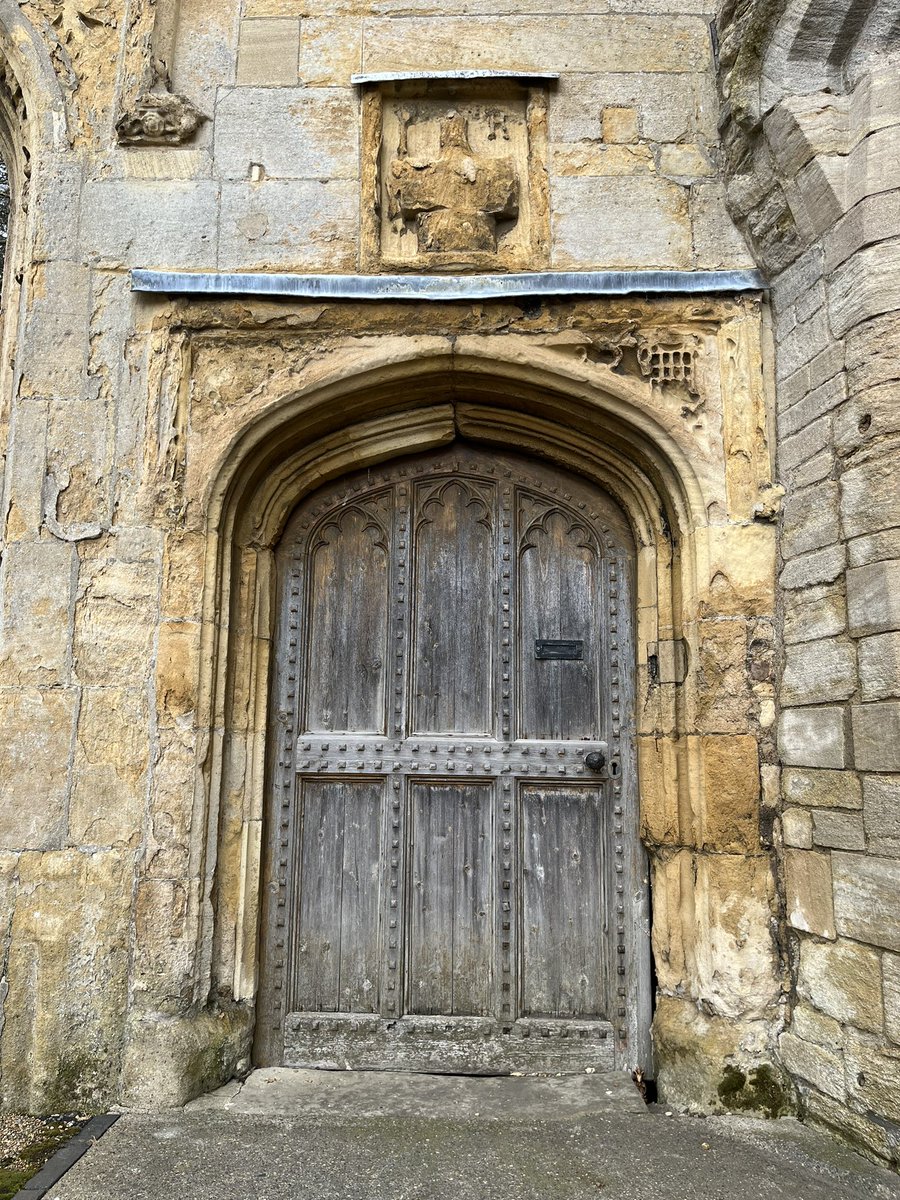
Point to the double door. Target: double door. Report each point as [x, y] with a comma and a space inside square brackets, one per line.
[454, 877]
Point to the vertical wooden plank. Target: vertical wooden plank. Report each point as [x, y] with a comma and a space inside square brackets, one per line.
[451, 904]
[565, 916]
[453, 599]
[335, 945]
[347, 626]
[558, 593]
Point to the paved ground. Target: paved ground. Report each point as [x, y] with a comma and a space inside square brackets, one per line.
[299, 1135]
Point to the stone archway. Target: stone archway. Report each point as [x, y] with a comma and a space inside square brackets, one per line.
[697, 573]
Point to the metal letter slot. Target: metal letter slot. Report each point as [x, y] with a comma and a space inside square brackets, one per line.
[560, 649]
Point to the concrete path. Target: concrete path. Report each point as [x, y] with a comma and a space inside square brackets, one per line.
[309, 1135]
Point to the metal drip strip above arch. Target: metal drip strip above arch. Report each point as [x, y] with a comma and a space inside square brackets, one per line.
[438, 288]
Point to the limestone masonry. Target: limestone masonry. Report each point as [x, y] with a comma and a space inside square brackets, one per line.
[155, 447]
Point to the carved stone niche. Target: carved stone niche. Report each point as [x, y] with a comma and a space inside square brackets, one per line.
[455, 176]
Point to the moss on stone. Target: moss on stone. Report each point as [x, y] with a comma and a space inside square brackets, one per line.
[762, 1091]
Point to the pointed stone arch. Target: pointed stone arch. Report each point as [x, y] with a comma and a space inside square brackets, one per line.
[366, 405]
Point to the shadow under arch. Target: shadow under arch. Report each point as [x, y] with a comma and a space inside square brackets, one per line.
[545, 407]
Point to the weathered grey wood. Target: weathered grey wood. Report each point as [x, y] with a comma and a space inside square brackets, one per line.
[565, 840]
[335, 953]
[450, 912]
[558, 599]
[347, 626]
[454, 603]
[452, 887]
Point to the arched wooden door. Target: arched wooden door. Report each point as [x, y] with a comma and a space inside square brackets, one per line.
[454, 878]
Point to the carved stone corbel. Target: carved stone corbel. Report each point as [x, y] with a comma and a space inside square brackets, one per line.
[158, 116]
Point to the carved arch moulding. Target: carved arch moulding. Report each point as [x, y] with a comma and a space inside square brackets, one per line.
[252, 421]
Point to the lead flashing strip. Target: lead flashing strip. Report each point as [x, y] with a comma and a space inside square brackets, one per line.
[402, 76]
[443, 288]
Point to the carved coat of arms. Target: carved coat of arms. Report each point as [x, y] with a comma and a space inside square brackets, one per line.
[456, 200]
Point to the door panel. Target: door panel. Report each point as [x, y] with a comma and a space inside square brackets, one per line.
[450, 910]
[453, 601]
[456, 881]
[336, 953]
[347, 629]
[564, 910]
[558, 593]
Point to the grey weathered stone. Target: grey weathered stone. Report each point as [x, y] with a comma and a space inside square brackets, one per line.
[865, 286]
[813, 737]
[873, 598]
[138, 222]
[879, 666]
[813, 613]
[876, 736]
[821, 566]
[291, 133]
[822, 789]
[629, 234]
[289, 225]
[865, 898]
[810, 519]
[890, 970]
[870, 498]
[873, 547]
[839, 830]
[873, 219]
[797, 828]
[821, 1067]
[808, 892]
[881, 811]
[818, 672]
[867, 416]
[842, 979]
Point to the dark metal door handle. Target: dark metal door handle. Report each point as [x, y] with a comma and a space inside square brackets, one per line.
[595, 761]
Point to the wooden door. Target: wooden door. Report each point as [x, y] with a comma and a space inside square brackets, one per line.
[455, 881]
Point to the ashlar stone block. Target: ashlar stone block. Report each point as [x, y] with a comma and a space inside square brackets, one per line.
[645, 223]
[879, 666]
[268, 51]
[811, 519]
[890, 970]
[36, 620]
[34, 766]
[112, 754]
[818, 672]
[881, 812]
[813, 737]
[843, 979]
[873, 1074]
[865, 898]
[876, 736]
[808, 887]
[821, 1067]
[818, 612]
[873, 597]
[822, 789]
[291, 133]
[797, 828]
[538, 43]
[838, 830]
[731, 793]
[870, 498]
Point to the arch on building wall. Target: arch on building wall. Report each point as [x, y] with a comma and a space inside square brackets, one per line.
[366, 412]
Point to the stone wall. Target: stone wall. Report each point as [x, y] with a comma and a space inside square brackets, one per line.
[134, 618]
[811, 123]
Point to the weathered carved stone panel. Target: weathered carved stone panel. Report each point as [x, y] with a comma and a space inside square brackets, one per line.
[456, 177]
